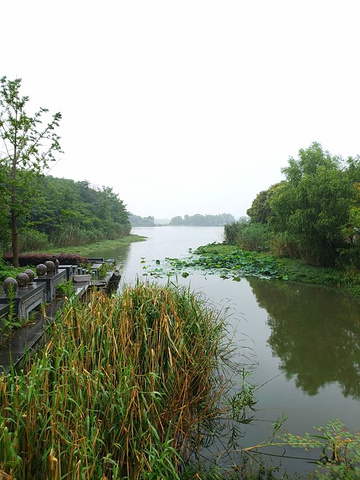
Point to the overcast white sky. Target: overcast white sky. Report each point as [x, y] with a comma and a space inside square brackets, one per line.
[189, 106]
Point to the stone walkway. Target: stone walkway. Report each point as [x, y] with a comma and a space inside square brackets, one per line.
[28, 339]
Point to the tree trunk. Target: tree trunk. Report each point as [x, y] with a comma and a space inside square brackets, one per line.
[14, 232]
[14, 239]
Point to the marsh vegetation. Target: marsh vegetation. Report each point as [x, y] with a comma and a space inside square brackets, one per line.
[128, 387]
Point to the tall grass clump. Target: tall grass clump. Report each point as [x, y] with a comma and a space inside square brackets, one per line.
[70, 235]
[121, 390]
[30, 240]
[232, 231]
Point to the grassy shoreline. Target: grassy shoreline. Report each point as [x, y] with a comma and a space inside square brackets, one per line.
[229, 261]
[104, 244]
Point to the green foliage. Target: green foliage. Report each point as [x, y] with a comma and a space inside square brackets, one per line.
[231, 232]
[217, 259]
[65, 289]
[253, 237]
[29, 148]
[66, 213]
[56, 210]
[228, 261]
[8, 271]
[73, 213]
[315, 212]
[260, 210]
[248, 235]
[283, 245]
[309, 160]
[105, 267]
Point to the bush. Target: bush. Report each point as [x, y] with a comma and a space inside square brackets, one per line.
[282, 245]
[248, 235]
[232, 230]
[349, 257]
[254, 236]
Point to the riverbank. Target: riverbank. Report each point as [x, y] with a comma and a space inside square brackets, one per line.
[230, 261]
[224, 259]
[84, 250]
[249, 316]
[7, 270]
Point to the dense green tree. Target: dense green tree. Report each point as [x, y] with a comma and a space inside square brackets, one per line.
[352, 229]
[27, 148]
[313, 214]
[307, 163]
[260, 210]
[313, 204]
[82, 214]
[72, 213]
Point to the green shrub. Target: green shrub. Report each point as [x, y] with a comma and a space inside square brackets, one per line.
[349, 257]
[65, 289]
[248, 235]
[254, 236]
[231, 231]
[282, 245]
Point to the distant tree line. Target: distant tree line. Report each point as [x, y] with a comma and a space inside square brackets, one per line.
[203, 220]
[314, 214]
[64, 212]
[137, 221]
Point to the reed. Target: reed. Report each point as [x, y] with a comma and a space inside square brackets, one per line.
[120, 391]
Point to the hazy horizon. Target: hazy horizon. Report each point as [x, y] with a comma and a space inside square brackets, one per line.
[188, 107]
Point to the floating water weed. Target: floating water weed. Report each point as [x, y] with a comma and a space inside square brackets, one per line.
[120, 391]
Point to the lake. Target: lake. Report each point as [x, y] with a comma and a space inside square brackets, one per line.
[302, 342]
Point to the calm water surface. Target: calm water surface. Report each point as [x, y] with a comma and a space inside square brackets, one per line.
[304, 340]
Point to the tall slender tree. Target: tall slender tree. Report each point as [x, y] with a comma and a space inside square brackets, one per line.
[28, 145]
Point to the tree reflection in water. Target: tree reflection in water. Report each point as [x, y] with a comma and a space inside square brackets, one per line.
[315, 333]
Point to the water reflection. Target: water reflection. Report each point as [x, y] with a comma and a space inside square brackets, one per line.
[120, 253]
[315, 332]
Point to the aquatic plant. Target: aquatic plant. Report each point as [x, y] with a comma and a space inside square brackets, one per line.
[339, 449]
[231, 262]
[128, 387]
[221, 260]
